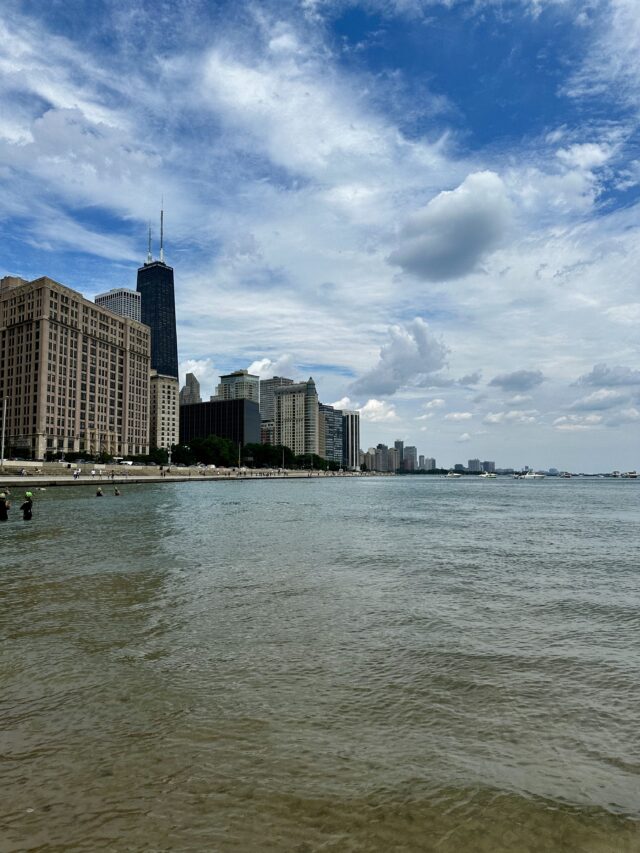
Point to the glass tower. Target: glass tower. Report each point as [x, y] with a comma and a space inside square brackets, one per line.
[158, 311]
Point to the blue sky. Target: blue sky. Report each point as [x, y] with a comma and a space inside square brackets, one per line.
[430, 206]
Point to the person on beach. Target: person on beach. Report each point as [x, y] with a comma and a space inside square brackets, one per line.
[4, 507]
[27, 507]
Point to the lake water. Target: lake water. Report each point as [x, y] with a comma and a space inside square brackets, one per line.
[376, 664]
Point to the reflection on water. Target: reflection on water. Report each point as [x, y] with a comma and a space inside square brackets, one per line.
[376, 665]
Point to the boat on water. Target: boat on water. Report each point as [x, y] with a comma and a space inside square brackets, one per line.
[565, 475]
[488, 475]
[533, 475]
[453, 475]
[629, 475]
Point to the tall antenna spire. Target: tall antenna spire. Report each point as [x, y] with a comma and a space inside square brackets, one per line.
[149, 258]
[162, 231]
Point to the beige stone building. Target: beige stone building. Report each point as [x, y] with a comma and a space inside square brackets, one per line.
[75, 375]
[296, 417]
[164, 410]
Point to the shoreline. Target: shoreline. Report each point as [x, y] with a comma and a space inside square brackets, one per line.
[52, 480]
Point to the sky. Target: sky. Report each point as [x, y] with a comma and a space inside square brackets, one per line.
[430, 206]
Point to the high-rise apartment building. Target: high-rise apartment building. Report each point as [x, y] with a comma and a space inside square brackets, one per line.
[158, 310]
[75, 375]
[163, 411]
[421, 462]
[296, 417]
[239, 385]
[267, 395]
[393, 461]
[330, 433]
[351, 440]
[399, 446]
[474, 466]
[489, 466]
[410, 461]
[190, 392]
[121, 301]
[429, 463]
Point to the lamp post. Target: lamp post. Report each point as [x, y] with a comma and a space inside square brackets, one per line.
[4, 422]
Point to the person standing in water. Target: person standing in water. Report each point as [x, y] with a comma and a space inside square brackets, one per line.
[4, 507]
[27, 507]
[99, 492]
[116, 492]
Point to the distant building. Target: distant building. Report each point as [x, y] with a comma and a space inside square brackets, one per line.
[381, 458]
[351, 440]
[267, 432]
[421, 462]
[474, 466]
[459, 467]
[163, 411]
[330, 433]
[296, 417]
[239, 385]
[237, 420]
[489, 466]
[393, 462]
[399, 446]
[121, 301]
[190, 392]
[75, 375]
[410, 462]
[429, 463]
[267, 398]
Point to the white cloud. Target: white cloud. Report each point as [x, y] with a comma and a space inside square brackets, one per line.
[378, 411]
[456, 230]
[628, 315]
[265, 368]
[576, 423]
[461, 439]
[604, 398]
[410, 357]
[515, 416]
[436, 403]
[458, 416]
[519, 398]
[204, 371]
[624, 416]
[588, 155]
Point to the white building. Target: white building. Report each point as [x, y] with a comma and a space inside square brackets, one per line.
[163, 410]
[296, 417]
[121, 301]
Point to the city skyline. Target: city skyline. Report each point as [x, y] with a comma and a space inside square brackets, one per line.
[430, 207]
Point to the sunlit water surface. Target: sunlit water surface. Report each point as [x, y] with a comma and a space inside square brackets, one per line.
[390, 664]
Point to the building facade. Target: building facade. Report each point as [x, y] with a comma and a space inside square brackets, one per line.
[75, 376]
[351, 440]
[158, 311]
[296, 417]
[330, 433]
[410, 460]
[239, 385]
[489, 466]
[267, 396]
[429, 463]
[121, 301]
[237, 420]
[163, 411]
[474, 466]
[190, 392]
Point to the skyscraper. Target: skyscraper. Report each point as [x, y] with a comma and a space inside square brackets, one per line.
[239, 385]
[267, 397]
[121, 301]
[190, 392]
[296, 417]
[158, 310]
[351, 440]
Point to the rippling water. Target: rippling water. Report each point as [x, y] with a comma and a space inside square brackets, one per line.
[393, 664]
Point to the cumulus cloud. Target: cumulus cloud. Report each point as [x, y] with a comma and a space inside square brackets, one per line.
[265, 368]
[377, 411]
[515, 416]
[624, 416]
[519, 380]
[458, 416]
[410, 357]
[604, 398]
[471, 378]
[461, 439]
[602, 375]
[204, 371]
[574, 423]
[456, 230]
[436, 403]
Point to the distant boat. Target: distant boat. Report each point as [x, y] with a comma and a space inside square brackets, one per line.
[565, 475]
[630, 475]
[533, 475]
[453, 475]
[615, 474]
[488, 475]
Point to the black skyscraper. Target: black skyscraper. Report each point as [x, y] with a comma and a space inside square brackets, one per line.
[158, 311]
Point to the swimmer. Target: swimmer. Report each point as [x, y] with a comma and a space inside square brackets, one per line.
[99, 492]
[27, 507]
[116, 492]
[4, 507]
